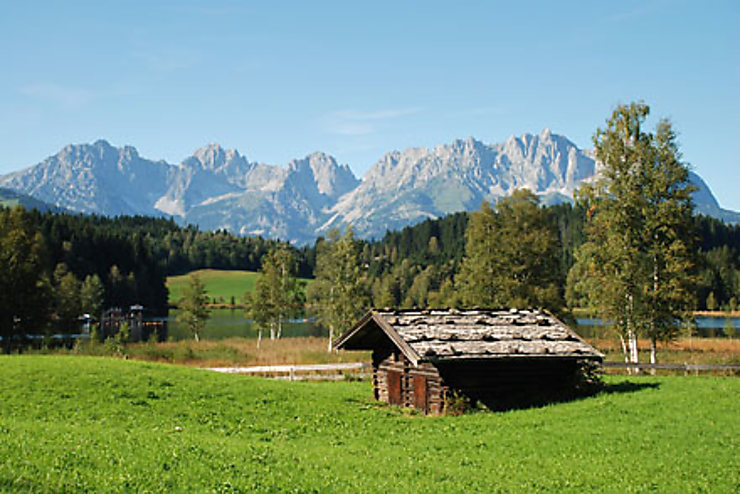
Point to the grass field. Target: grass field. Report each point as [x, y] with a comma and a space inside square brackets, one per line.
[220, 285]
[75, 424]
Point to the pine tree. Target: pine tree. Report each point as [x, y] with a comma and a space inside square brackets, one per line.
[384, 291]
[338, 296]
[417, 295]
[193, 311]
[640, 242]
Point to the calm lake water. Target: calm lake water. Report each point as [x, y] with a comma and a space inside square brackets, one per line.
[228, 323]
[706, 327]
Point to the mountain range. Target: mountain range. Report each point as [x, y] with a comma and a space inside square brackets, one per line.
[218, 188]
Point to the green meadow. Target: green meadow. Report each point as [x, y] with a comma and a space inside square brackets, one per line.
[221, 285]
[93, 424]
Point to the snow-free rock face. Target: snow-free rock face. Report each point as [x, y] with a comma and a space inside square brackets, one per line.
[94, 178]
[210, 172]
[219, 188]
[409, 186]
[288, 203]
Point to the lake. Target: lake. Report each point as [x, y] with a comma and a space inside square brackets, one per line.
[706, 327]
[229, 323]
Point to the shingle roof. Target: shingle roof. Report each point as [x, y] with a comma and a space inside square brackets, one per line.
[435, 335]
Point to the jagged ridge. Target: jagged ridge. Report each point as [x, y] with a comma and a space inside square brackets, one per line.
[219, 188]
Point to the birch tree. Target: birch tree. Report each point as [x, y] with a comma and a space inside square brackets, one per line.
[338, 296]
[193, 310]
[636, 267]
[278, 294]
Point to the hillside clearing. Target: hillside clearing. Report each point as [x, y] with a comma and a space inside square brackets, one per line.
[221, 285]
[81, 423]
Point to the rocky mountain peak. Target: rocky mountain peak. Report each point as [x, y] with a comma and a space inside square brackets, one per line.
[330, 178]
[218, 188]
[210, 157]
[101, 144]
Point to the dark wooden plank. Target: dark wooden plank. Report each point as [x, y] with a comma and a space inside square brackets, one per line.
[394, 387]
[420, 393]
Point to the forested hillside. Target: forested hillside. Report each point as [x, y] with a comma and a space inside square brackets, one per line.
[85, 262]
[425, 257]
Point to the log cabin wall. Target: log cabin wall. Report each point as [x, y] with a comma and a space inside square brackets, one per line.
[505, 383]
[398, 382]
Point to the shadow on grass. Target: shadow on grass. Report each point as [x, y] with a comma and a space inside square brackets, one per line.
[536, 398]
[522, 397]
[626, 387]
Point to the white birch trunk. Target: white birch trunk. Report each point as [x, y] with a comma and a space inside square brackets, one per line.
[654, 335]
[624, 349]
[632, 350]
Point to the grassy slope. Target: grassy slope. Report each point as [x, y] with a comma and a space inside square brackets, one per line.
[219, 283]
[71, 423]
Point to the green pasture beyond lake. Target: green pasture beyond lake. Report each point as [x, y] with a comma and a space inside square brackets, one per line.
[220, 285]
[81, 423]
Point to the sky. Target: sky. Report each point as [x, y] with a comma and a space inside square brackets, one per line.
[278, 80]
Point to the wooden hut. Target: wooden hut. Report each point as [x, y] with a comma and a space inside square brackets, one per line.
[432, 359]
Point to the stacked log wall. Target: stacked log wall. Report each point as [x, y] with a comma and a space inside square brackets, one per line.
[397, 362]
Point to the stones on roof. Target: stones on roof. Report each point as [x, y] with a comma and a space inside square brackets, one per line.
[460, 334]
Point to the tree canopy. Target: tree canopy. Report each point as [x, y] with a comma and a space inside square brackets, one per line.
[193, 311]
[278, 294]
[511, 256]
[338, 296]
[636, 267]
[25, 289]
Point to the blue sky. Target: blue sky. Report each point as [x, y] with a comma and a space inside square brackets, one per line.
[278, 80]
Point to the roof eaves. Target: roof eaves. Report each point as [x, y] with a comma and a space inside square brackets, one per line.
[396, 338]
[575, 335]
[339, 342]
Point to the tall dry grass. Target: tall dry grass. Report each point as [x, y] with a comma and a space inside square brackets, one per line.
[683, 350]
[243, 351]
